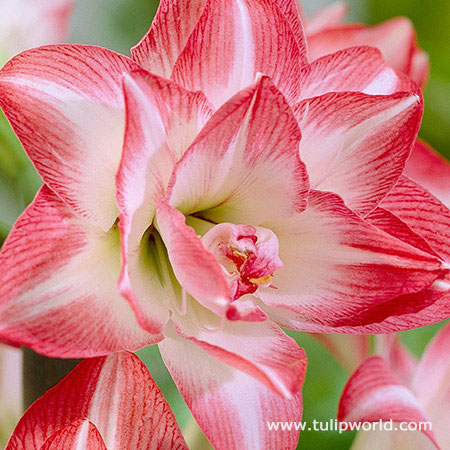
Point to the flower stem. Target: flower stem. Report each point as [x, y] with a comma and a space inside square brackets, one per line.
[41, 373]
[194, 436]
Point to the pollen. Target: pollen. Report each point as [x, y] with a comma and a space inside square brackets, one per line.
[262, 281]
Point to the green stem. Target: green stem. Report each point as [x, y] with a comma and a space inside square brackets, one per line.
[194, 436]
[41, 373]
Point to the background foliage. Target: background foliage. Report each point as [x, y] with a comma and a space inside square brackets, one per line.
[118, 25]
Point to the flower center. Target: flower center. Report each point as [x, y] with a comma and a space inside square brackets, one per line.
[248, 256]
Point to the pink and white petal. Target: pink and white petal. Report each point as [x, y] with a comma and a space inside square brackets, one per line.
[244, 166]
[337, 267]
[195, 268]
[81, 434]
[399, 358]
[373, 393]
[423, 213]
[348, 350]
[65, 103]
[293, 12]
[420, 67]
[57, 286]
[162, 120]
[235, 40]
[429, 169]
[11, 365]
[394, 226]
[174, 22]
[117, 394]
[143, 285]
[431, 380]
[261, 349]
[356, 145]
[431, 384]
[391, 440]
[355, 69]
[327, 17]
[27, 24]
[232, 408]
[395, 38]
[402, 313]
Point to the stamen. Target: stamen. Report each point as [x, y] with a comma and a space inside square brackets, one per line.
[247, 254]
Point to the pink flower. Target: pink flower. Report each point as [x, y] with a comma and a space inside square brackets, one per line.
[327, 33]
[28, 23]
[105, 403]
[178, 210]
[396, 387]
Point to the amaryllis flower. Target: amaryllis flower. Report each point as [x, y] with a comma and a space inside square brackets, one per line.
[28, 23]
[327, 33]
[205, 192]
[10, 390]
[105, 403]
[396, 387]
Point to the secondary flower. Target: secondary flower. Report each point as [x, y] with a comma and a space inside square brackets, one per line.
[397, 387]
[28, 23]
[205, 228]
[327, 33]
[105, 403]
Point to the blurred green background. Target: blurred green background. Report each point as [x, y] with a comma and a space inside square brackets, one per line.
[118, 25]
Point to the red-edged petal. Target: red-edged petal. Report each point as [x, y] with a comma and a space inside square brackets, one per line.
[356, 145]
[162, 119]
[327, 17]
[231, 407]
[420, 67]
[57, 286]
[416, 217]
[117, 394]
[65, 103]
[356, 69]
[348, 350]
[337, 267]
[431, 170]
[174, 22]
[391, 224]
[395, 38]
[195, 268]
[81, 434]
[244, 166]
[401, 361]
[235, 40]
[261, 349]
[293, 13]
[431, 381]
[373, 393]
[423, 213]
